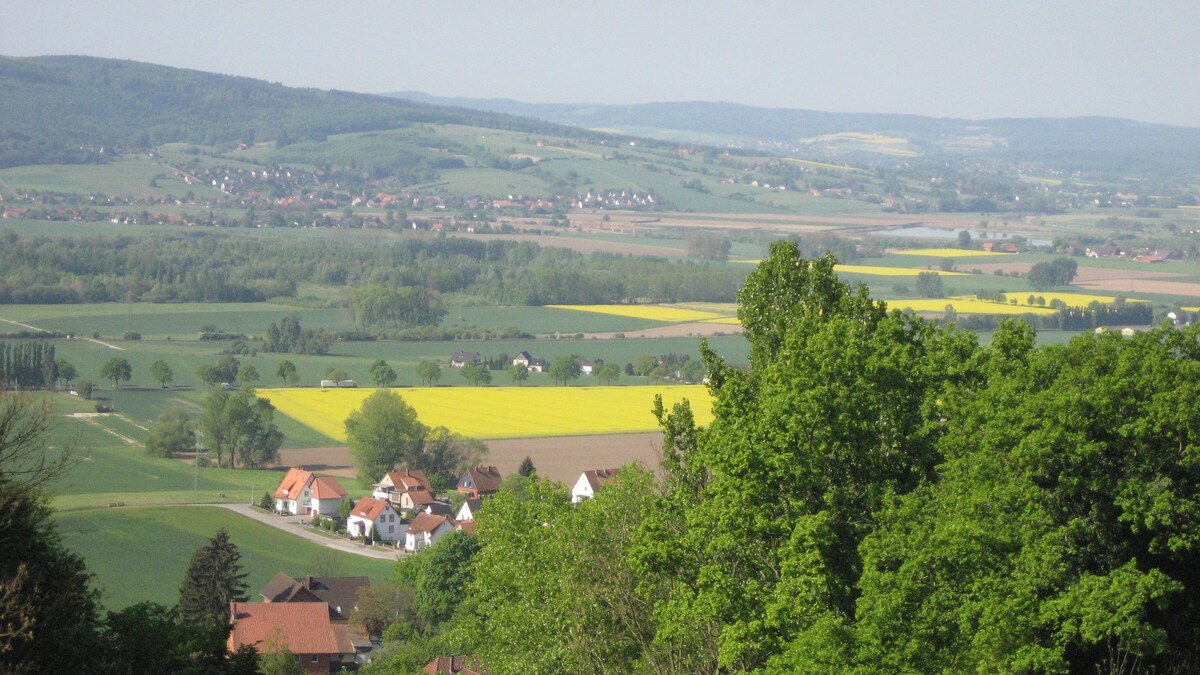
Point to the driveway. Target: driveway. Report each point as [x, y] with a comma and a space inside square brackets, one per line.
[291, 525]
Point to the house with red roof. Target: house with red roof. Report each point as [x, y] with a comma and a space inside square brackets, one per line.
[302, 627]
[375, 518]
[294, 494]
[480, 481]
[590, 482]
[327, 496]
[425, 529]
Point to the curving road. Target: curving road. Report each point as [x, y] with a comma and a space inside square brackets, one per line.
[291, 525]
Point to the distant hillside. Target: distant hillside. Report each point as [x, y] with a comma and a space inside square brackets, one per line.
[1082, 143]
[65, 108]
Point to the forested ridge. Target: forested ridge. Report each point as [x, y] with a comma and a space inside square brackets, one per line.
[877, 493]
[216, 268]
[65, 109]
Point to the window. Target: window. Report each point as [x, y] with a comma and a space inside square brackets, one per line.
[391, 528]
[313, 658]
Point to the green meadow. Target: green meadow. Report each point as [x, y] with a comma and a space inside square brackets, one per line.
[140, 554]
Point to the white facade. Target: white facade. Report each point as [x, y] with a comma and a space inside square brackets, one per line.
[424, 537]
[582, 490]
[385, 527]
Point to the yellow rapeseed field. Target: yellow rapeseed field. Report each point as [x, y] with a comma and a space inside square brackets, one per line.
[501, 412]
[649, 312]
[964, 306]
[947, 252]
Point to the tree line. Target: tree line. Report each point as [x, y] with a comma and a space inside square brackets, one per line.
[218, 267]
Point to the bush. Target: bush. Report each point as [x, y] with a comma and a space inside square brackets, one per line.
[131, 335]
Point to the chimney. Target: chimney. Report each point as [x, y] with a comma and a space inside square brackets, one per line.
[308, 582]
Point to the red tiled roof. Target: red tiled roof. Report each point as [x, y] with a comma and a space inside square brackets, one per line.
[426, 522]
[453, 665]
[420, 497]
[598, 477]
[326, 487]
[293, 483]
[303, 626]
[467, 526]
[369, 508]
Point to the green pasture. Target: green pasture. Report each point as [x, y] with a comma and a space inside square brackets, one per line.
[179, 321]
[481, 180]
[140, 554]
[129, 176]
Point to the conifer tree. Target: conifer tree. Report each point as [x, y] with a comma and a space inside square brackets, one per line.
[214, 578]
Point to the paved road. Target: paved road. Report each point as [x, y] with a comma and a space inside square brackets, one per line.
[291, 525]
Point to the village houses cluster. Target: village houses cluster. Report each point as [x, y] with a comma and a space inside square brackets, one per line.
[311, 615]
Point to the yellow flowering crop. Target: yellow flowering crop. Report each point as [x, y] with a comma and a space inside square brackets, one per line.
[502, 412]
[650, 312]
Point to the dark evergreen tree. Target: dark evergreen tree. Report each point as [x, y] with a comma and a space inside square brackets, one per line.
[527, 468]
[213, 579]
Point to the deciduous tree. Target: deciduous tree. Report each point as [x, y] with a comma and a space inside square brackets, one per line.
[382, 432]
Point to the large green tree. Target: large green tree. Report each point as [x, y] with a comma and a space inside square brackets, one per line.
[1062, 534]
[383, 432]
[172, 433]
[837, 411]
[240, 426]
[213, 579]
[48, 611]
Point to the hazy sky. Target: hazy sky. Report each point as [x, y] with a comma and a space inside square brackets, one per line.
[1006, 58]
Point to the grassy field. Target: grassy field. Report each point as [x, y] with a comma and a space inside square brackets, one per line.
[661, 313]
[140, 554]
[502, 412]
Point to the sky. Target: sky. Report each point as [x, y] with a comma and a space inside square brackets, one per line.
[965, 58]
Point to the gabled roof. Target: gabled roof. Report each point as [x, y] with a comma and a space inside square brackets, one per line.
[293, 483]
[485, 478]
[426, 522]
[303, 626]
[405, 479]
[465, 357]
[369, 508]
[453, 665]
[325, 487]
[420, 497]
[467, 526]
[598, 477]
[339, 593]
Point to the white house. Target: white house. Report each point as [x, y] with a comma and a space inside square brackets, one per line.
[425, 529]
[587, 367]
[326, 495]
[590, 482]
[374, 518]
[407, 488]
[468, 510]
[531, 364]
[294, 492]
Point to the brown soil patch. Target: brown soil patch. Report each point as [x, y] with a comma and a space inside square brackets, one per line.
[560, 458]
[1142, 285]
[1083, 276]
[327, 461]
[563, 458]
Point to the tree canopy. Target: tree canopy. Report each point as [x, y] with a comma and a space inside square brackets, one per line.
[383, 432]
